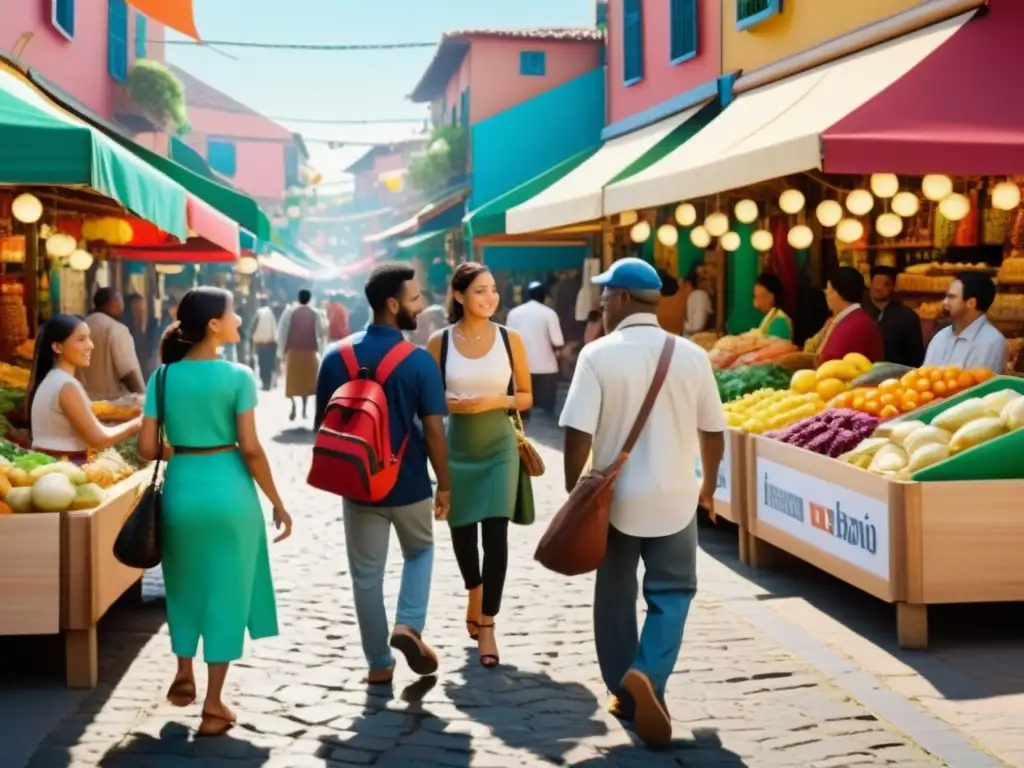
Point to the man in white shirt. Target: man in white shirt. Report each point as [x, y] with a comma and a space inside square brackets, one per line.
[654, 505]
[971, 341]
[698, 306]
[264, 339]
[541, 330]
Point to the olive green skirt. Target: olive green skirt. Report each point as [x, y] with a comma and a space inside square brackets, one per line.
[483, 456]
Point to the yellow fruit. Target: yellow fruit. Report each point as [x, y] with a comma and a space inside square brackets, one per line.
[829, 388]
[804, 382]
[837, 369]
[858, 361]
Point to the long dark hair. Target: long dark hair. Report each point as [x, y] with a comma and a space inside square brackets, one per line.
[195, 311]
[57, 330]
[462, 278]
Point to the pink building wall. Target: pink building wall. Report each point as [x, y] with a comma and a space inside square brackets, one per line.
[662, 80]
[79, 66]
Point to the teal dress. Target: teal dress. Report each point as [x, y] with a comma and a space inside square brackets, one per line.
[215, 560]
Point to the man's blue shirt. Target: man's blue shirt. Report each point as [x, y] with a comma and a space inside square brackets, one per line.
[413, 389]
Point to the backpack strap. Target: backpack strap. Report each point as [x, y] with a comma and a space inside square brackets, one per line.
[348, 356]
[444, 358]
[393, 359]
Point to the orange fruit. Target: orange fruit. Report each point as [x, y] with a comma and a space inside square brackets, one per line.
[952, 387]
[873, 407]
[889, 411]
[909, 401]
[937, 375]
[965, 380]
[888, 399]
[981, 375]
[923, 384]
[939, 389]
[871, 394]
[908, 378]
[926, 397]
[926, 370]
[858, 403]
[889, 386]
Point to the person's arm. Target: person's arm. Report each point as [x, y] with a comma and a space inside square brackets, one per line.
[432, 410]
[77, 409]
[555, 331]
[711, 427]
[580, 417]
[126, 362]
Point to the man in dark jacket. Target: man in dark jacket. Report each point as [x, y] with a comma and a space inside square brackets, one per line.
[901, 327]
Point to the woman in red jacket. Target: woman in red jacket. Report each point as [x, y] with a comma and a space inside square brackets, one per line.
[851, 329]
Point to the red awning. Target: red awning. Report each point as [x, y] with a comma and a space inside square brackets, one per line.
[196, 251]
[957, 112]
[212, 225]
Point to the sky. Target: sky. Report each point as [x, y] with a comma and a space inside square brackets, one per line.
[343, 85]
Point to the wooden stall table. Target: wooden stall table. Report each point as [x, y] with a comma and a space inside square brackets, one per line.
[730, 492]
[58, 574]
[914, 544]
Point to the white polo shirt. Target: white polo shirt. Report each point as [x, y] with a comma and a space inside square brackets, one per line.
[541, 330]
[656, 494]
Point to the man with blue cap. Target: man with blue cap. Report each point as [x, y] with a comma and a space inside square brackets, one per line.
[654, 504]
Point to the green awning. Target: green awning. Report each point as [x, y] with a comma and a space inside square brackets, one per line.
[489, 218]
[41, 144]
[423, 246]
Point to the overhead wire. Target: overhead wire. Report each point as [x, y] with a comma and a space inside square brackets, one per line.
[333, 47]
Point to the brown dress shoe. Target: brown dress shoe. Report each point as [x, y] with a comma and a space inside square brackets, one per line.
[653, 724]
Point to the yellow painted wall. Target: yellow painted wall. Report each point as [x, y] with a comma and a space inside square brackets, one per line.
[802, 24]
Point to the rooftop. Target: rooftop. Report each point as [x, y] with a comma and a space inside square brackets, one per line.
[365, 161]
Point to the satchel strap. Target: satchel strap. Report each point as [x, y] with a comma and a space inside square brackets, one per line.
[161, 388]
[660, 374]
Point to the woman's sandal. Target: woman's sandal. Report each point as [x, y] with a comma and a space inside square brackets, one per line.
[182, 692]
[489, 660]
[473, 610]
[219, 725]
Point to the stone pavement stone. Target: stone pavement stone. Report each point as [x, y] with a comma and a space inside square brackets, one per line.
[738, 696]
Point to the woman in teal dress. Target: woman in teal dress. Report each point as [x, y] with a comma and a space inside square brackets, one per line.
[767, 299]
[215, 561]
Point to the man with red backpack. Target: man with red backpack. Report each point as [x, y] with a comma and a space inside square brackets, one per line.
[369, 449]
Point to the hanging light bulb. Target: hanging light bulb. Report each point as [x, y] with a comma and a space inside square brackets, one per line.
[700, 237]
[955, 206]
[1005, 196]
[730, 241]
[26, 208]
[80, 260]
[936, 186]
[762, 240]
[849, 231]
[640, 232]
[746, 211]
[686, 214]
[906, 204]
[828, 213]
[860, 202]
[792, 201]
[60, 246]
[889, 225]
[885, 185]
[247, 265]
[628, 218]
[800, 237]
[717, 224]
[668, 235]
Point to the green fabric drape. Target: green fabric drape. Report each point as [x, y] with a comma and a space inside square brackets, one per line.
[688, 255]
[741, 274]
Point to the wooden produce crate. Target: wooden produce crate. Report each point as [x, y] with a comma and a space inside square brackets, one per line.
[731, 491]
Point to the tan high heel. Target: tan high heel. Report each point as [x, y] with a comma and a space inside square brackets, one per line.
[474, 609]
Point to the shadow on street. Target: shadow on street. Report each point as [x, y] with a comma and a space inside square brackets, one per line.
[177, 741]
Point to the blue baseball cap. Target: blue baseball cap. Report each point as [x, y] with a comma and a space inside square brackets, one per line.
[630, 274]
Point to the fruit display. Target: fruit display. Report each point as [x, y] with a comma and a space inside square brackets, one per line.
[705, 340]
[13, 317]
[912, 390]
[737, 382]
[830, 433]
[830, 379]
[750, 348]
[116, 411]
[14, 376]
[1011, 272]
[770, 409]
[26, 350]
[881, 372]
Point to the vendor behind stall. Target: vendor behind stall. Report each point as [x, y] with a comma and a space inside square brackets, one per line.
[61, 417]
[768, 300]
[901, 326]
[851, 329]
[971, 341]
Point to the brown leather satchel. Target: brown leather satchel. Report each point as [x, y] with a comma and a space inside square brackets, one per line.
[577, 537]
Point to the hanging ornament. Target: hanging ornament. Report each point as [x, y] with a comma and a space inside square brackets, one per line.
[762, 240]
[746, 211]
[668, 235]
[955, 206]
[800, 237]
[860, 202]
[906, 204]
[717, 224]
[640, 232]
[730, 241]
[700, 237]
[829, 213]
[889, 225]
[884, 185]
[849, 231]
[1005, 196]
[936, 186]
[686, 214]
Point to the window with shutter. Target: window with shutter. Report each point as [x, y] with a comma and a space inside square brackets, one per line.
[464, 107]
[751, 12]
[117, 40]
[222, 156]
[140, 35]
[62, 16]
[632, 41]
[683, 30]
[533, 63]
[291, 166]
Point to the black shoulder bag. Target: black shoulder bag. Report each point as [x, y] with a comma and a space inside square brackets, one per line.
[138, 543]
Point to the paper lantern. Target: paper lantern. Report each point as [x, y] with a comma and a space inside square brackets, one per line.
[955, 206]
[860, 202]
[762, 240]
[730, 241]
[746, 211]
[800, 237]
[889, 225]
[792, 201]
[628, 218]
[829, 213]
[700, 237]
[80, 260]
[686, 214]
[1005, 196]
[170, 269]
[668, 235]
[717, 224]
[906, 204]
[60, 246]
[885, 185]
[247, 265]
[640, 232]
[27, 209]
[849, 231]
[936, 186]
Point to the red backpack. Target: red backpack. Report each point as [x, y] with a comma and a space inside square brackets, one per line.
[352, 454]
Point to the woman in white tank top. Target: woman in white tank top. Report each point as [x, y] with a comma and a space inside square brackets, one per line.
[481, 362]
[60, 412]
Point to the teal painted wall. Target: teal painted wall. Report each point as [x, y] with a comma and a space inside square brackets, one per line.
[528, 139]
[527, 258]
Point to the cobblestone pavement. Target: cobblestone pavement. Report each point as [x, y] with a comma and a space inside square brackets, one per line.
[738, 697]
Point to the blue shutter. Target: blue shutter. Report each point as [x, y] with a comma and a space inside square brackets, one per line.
[62, 16]
[464, 108]
[117, 40]
[683, 30]
[751, 12]
[533, 63]
[632, 41]
[140, 35]
[222, 156]
[291, 166]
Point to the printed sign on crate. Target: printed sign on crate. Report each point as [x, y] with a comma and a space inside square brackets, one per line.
[723, 492]
[845, 524]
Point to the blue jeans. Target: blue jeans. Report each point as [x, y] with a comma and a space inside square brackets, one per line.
[669, 584]
[367, 531]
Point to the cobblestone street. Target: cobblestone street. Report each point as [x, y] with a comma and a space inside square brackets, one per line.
[740, 695]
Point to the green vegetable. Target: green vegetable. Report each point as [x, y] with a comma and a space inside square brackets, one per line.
[880, 372]
[10, 451]
[53, 493]
[734, 383]
[128, 449]
[29, 460]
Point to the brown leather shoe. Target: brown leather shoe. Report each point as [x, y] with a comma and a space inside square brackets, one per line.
[421, 658]
[653, 724]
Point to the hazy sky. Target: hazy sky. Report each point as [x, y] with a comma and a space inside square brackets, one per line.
[357, 85]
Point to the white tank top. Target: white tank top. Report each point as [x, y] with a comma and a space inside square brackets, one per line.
[51, 430]
[486, 376]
